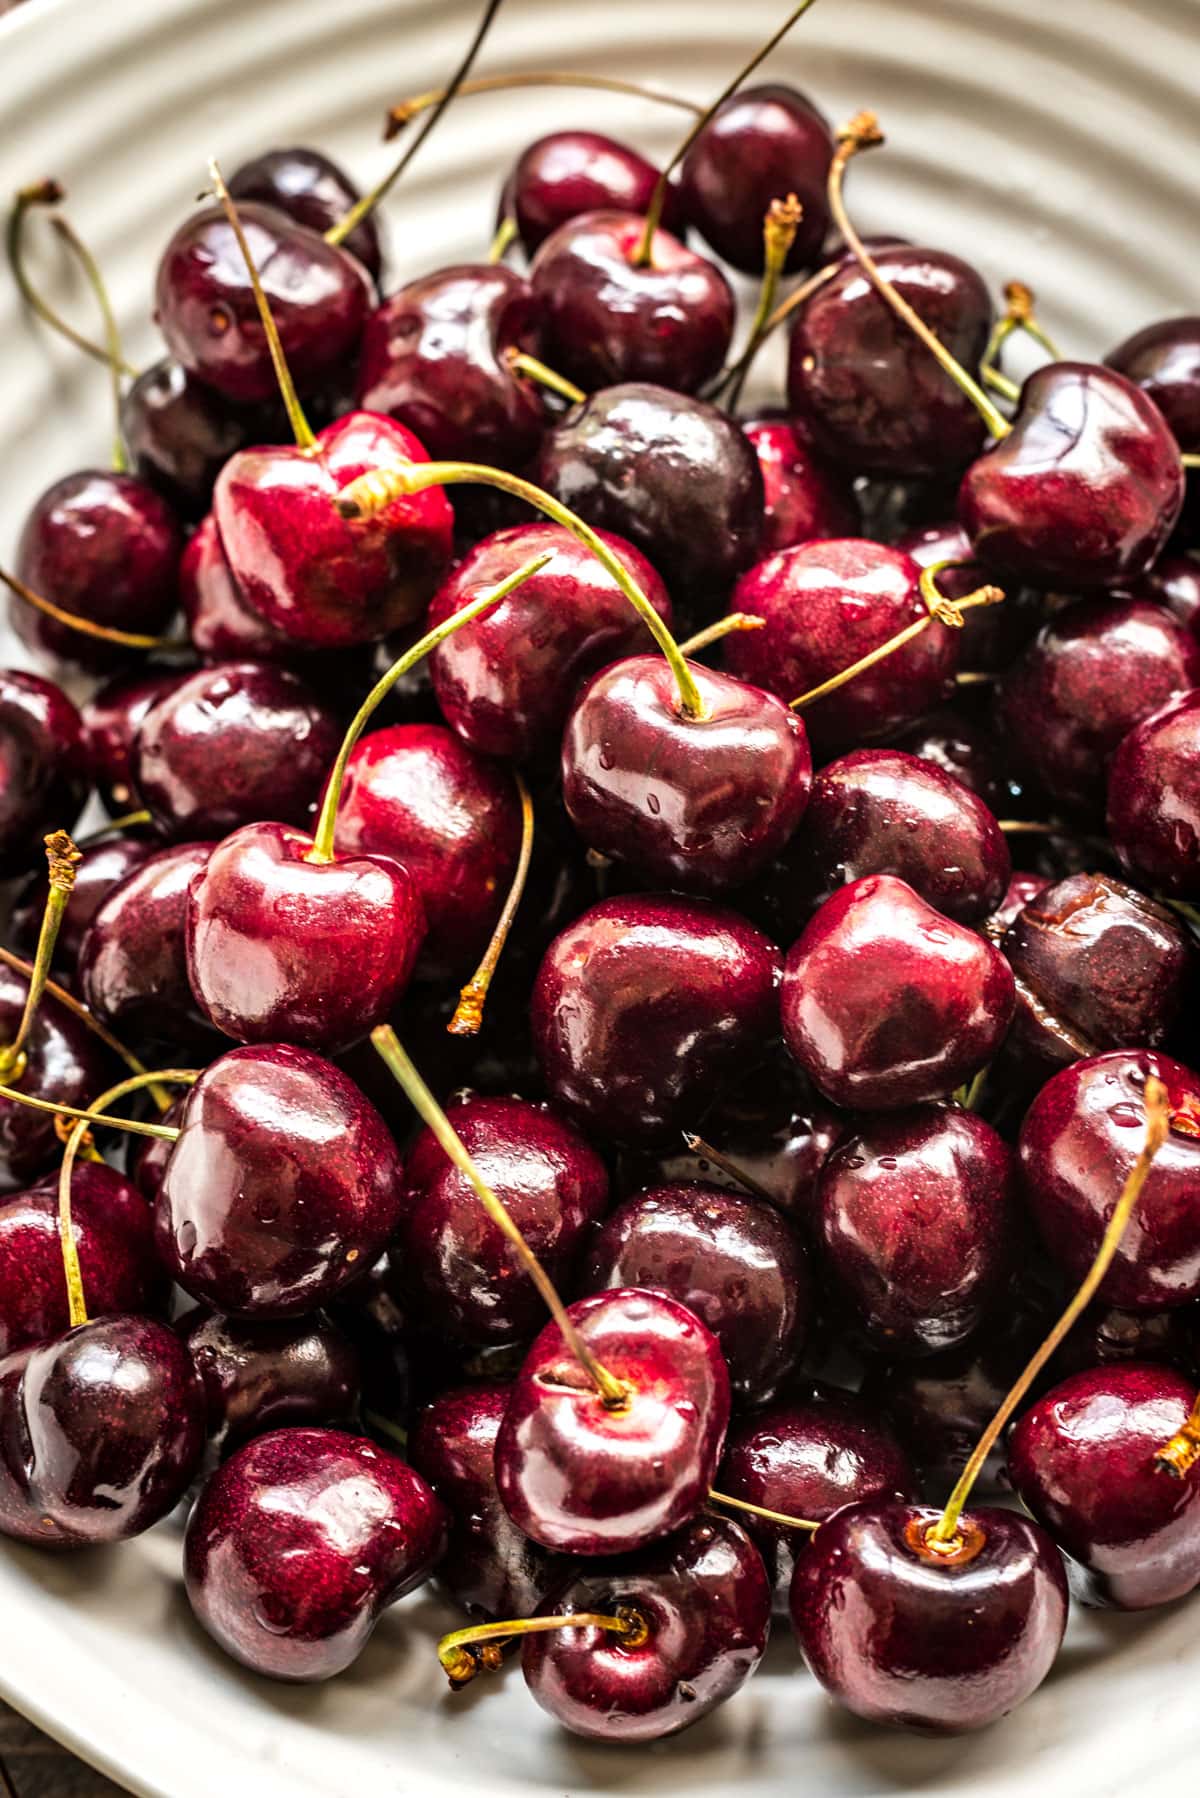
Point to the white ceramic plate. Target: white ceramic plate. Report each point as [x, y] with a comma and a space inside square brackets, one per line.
[1056, 143]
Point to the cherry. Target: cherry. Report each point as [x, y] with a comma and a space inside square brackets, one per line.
[671, 473]
[584, 1476]
[1083, 1460]
[1107, 1336]
[903, 1635]
[992, 635]
[1174, 582]
[917, 1218]
[132, 962]
[1093, 672]
[615, 315]
[436, 356]
[103, 867]
[490, 1567]
[300, 1541]
[886, 1003]
[1154, 798]
[882, 811]
[101, 1430]
[1163, 359]
[458, 1271]
[759, 143]
[825, 605]
[180, 434]
[43, 766]
[701, 801]
[1022, 888]
[733, 1261]
[311, 188]
[1077, 1142]
[805, 500]
[64, 1063]
[644, 1006]
[268, 1376]
[556, 178]
[369, 1316]
[283, 1186]
[807, 1457]
[112, 718]
[221, 625]
[697, 1610]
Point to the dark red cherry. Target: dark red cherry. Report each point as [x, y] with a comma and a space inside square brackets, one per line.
[1082, 1460]
[645, 1006]
[112, 718]
[1163, 359]
[114, 1240]
[671, 473]
[105, 547]
[179, 434]
[1174, 582]
[65, 1063]
[760, 144]
[133, 960]
[284, 1184]
[222, 627]
[490, 1567]
[886, 1003]
[418, 795]
[991, 635]
[1154, 799]
[1084, 491]
[699, 803]
[311, 188]
[582, 1477]
[229, 745]
[969, 752]
[204, 302]
[368, 1314]
[323, 581]
[1079, 1141]
[101, 1430]
[917, 1221]
[881, 811]
[43, 767]
[610, 318]
[300, 1541]
[904, 1636]
[805, 500]
[825, 605]
[458, 1271]
[556, 178]
[703, 1600]
[1107, 1336]
[104, 866]
[268, 1376]
[807, 1457]
[272, 934]
[435, 357]
[873, 397]
[732, 1260]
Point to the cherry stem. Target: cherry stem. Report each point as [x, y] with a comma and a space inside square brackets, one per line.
[863, 133]
[388, 1047]
[705, 1150]
[401, 116]
[974, 677]
[127, 821]
[741, 1504]
[536, 370]
[132, 1126]
[323, 837]
[338, 233]
[721, 627]
[969, 1095]
[1181, 1452]
[87, 1018]
[780, 226]
[48, 193]
[940, 611]
[944, 1533]
[1018, 316]
[63, 859]
[468, 1013]
[112, 333]
[506, 232]
[370, 493]
[1190, 458]
[798, 296]
[87, 627]
[460, 1663]
[641, 256]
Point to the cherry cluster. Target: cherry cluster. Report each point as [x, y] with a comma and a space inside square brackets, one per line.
[866, 1163]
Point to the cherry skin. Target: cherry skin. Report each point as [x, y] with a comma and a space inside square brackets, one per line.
[643, 1008]
[703, 804]
[759, 145]
[872, 396]
[1107, 1336]
[804, 500]
[1084, 491]
[490, 1567]
[672, 474]
[284, 1184]
[113, 1238]
[103, 867]
[704, 1601]
[556, 178]
[917, 1217]
[434, 356]
[903, 1636]
[580, 1477]
[1163, 359]
[733, 1261]
[609, 318]
[825, 605]
[101, 1431]
[179, 434]
[65, 1063]
[1078, 1142]
[886, 1003]
[132, 960]
[1154, 798]
[311, 188]
[458, 1271]
[325, 582]
[271, 933]
[43, 767]
[221, 625]
[1174, 582]
[1022, 888]
[112, 718]
[1082, 1460]
[807, 1457]
[300, 1541]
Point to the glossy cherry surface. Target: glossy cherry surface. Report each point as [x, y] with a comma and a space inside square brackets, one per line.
[804, 499]
[112, 718]
[760, 144]
[269, 1376]
[43, 767]
[312, 189]
[132, 960]
[221, 625]
[65, 1063]
[1174, 582]
[299, 1542]
[104, 866]
[1163, 359]
[1154, 799]
[557, 177]
[179, 434]
[991, 635]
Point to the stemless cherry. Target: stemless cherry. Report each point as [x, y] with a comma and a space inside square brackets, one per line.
[132, 960]
[760, 143]
[221, 625]
[557, 177]
[112, 718]
[1154, 798]
[43, 766]
[804, 500]
[1163, 359]
[312, 189]
[1174, 582]
[180, 434]
[268, 1376]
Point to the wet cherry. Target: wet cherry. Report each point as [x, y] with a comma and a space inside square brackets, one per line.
[759, 144]
[1154, 798]
[805, 500]
[132, 960]
[43, 766]
[265, 1376]
[312, 189]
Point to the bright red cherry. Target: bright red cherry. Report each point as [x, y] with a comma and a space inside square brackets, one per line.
[556, 178]
[805, 500]
[759, 145]
[221, 625]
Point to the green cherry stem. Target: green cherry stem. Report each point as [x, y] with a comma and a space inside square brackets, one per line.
[466, 1652]
[1190, 458]
[132, 1126]
[47, 193]
[112, 334]
[87, 627]
[113, 826]
[940, 610]
[88, 1019]
[742, 1504]
[401, 116]
[721, 627]
[63, 859]
[536, 370]
[706, 1152]
[506, 234]
[779, 234]
[1017, 316]
[468, 1013]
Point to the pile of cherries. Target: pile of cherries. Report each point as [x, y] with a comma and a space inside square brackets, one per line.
[809, 1005]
